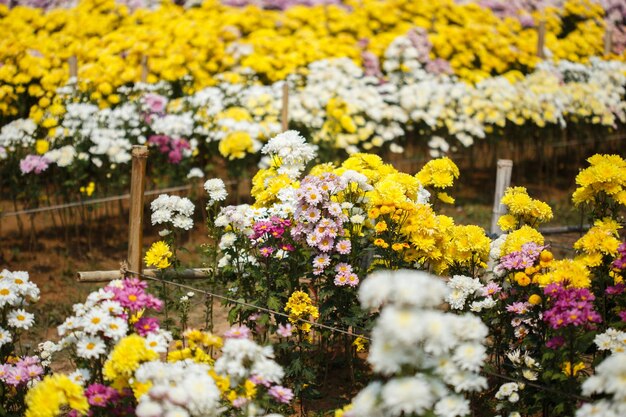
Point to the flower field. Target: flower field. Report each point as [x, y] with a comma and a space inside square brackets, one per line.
[348, 263]
[328, 280]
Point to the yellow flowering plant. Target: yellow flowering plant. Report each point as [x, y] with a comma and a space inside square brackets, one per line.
[522, 210]
[602, 186]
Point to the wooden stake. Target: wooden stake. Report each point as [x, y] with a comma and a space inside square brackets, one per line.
[284, 118]
[608, 38]
[503, 180]
[105, 276]
[137, 186]
[73, 63]
[541, 39]
[145, 71]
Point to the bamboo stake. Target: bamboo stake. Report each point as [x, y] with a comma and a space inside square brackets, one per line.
[137, 186]
[503, 180]
[541, 39]
[284, 118]
[73, 63]
[145, 71]
[105, 276]
[608, 38]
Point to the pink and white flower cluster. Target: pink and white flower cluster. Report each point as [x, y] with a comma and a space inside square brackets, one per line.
[319, 222]
[108, 315]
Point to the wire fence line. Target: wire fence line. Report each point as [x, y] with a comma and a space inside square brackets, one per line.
[249, 305]
[101, 200]
[92, 201]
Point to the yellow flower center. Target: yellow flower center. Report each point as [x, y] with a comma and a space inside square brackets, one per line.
[91, 345]
[5, 291]
[95, 320]
[132, 297]
[21, 317]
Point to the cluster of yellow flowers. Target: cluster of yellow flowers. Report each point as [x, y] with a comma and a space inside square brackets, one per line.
[600, 241]
[159, 255]
[300, 307]
[439, 173]
[604, 182]
[196, 345]
[522, 210]
[125, 358]
[54, 392]
[177, 45]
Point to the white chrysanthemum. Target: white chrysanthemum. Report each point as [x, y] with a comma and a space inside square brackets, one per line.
[116, 328]
[461, 287]
[216, 189]
[20, 319]
[90, 347]
[470, 356]
[228, 239]
[367, 402]
[506, 390]
[80, 376]
[71, 323]
[147, 408]
[452, 406]
[112, 307]
[159, 342]
[407, 396]
[95, 320]
[182, 222]
[602, 408]
[5, 337]
[8, 293]
[415, 288]
[161, 216]
[195, 173]
[291, 148]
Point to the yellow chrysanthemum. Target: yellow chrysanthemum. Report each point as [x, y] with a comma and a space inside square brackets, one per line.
[47, 397]
[159, 255]
[127, 355]
[515, 240]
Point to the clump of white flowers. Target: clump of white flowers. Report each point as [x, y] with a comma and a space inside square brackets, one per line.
[290, 152]
[609, 379]
[613, 340]
[243, 358]
[467, 292]
[216, 189]
[172, 210]
[182, 388]
[428, 357]
[16, 292]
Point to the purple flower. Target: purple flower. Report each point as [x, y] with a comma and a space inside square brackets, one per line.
[237, 332]
[281, 394]
[518, 307]
[147, 325]
[616, 289]
[34, 163]
[570, 306]
[155, 103]
[99, 395]
[491, 289]
[16, 376]
[556, 342]
[285, 330]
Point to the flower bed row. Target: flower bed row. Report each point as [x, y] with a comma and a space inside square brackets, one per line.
[180, 47]
[339, 106]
